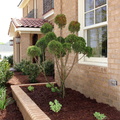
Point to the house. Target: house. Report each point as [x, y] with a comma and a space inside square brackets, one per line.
[97, 77]
[26, 31]
[5, 50]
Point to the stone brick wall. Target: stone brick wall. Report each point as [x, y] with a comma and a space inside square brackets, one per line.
[93, 81]
[69, 8]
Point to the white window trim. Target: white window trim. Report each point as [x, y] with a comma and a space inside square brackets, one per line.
[92, 60]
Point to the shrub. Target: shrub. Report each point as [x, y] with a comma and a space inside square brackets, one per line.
[9, 59]
[5, 73]
[23, 67]
[4, 100]
[48, 67]
[55, 106]
[34, 71]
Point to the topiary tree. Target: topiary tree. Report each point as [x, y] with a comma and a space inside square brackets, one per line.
[61, 48]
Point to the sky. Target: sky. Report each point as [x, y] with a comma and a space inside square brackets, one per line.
[8, 10]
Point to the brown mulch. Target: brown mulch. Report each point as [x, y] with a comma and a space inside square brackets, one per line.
[19, 78]
[75, 106]
[12, 111]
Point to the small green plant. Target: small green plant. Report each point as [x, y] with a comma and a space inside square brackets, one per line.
[30, 88]
[55, 106]
[49, 85]
[99, 116]
[52, 87]
[4, 100]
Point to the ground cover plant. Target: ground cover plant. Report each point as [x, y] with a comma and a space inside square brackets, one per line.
[30, 88]
[99, 116]
[55, 106]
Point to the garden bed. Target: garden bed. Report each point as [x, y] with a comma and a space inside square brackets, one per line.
[12, 111]
[75, 106]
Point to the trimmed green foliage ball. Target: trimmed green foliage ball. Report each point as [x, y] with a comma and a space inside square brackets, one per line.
[47, 27]
[78, 46]
[41, 43]
[33, 51]
[60, 39]
[74, 26]
[88, 51]
[67, 47]
[55, 47]
[49, 37]
[71, 38]
[60, 20]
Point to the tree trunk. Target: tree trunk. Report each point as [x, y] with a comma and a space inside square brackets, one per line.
[62, 88]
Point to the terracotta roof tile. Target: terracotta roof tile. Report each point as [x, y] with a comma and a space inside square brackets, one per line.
[28, 22]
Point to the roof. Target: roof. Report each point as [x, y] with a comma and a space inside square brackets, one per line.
[28, 22]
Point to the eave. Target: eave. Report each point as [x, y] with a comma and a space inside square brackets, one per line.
[23, 3]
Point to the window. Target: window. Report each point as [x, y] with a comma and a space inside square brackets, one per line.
[94, 27]
[47, 5]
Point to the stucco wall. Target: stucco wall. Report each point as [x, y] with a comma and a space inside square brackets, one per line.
[93, 81]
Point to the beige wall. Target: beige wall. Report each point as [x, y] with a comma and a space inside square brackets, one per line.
[24, 44]
[91, 80]
[39, 8]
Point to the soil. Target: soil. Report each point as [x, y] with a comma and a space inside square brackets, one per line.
[75, 106]
[12, 111]
[19, 78]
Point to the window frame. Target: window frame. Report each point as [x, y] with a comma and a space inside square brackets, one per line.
[83, 32]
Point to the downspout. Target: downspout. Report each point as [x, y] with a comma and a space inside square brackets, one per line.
[35, 8]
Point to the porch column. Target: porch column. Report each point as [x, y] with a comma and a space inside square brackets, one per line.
[24, 44]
